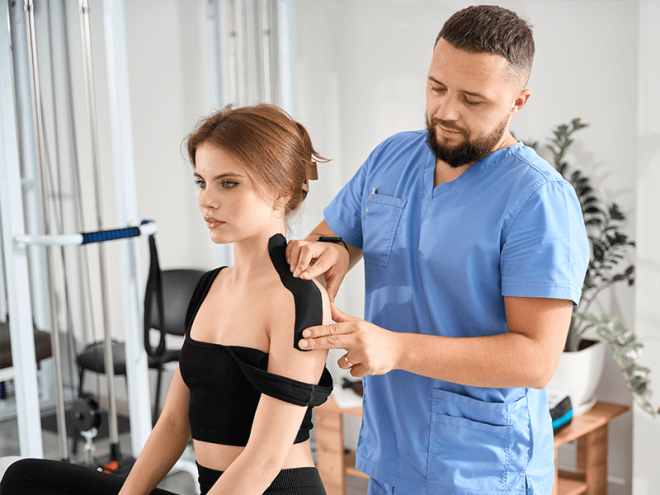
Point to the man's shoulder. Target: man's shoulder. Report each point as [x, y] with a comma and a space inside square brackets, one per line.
[405, 139]
[401, 146]
[525, 160]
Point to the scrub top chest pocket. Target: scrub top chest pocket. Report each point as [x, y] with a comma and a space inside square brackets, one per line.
[381, 220]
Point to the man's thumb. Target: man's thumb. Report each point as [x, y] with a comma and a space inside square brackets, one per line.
[332, 287]
[338, 315]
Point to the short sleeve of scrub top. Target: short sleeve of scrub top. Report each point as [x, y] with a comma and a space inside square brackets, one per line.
[547, 226]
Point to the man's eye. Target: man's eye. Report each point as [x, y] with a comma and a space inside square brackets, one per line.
[472, 103]
[438, 90]
[227, 184]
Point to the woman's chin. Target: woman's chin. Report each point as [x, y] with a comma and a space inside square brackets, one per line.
[217, 238]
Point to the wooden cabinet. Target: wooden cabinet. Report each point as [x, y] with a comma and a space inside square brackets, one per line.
[589, 429]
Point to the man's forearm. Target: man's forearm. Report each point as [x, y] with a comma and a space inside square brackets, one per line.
[497, 361]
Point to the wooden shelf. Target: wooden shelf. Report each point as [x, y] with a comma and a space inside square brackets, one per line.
[572, 487]
[589, 429]
[349, 463]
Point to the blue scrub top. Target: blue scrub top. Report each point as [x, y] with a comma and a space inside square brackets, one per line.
[438, 261]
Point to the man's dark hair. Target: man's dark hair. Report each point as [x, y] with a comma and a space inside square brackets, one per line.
[492, 29]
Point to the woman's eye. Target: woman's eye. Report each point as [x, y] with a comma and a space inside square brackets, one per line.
[227, 184]
[438, 90]
[199, 183]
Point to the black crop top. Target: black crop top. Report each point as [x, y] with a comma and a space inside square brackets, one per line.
[226, 382]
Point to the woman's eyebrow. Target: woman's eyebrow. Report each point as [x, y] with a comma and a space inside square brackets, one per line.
[221, 176]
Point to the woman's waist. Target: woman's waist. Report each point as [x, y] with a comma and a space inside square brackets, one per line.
[219, 457]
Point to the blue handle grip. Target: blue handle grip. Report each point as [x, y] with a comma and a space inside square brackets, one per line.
[110, 235]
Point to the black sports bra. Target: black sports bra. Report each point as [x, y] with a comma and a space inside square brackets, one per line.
[226, 382]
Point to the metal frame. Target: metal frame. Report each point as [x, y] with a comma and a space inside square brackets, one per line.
[126, 203]
[16, 257]
[49, 261]
[19, 146]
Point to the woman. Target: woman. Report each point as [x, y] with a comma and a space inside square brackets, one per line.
[242, 390]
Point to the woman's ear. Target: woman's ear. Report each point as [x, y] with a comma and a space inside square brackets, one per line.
[279, 204]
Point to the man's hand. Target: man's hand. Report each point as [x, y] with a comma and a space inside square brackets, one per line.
[371, 350]
[308, 260]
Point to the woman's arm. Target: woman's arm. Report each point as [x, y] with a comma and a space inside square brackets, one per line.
[165, 444]
[276, 422]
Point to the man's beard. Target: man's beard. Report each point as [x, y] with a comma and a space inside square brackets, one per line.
[467, 152]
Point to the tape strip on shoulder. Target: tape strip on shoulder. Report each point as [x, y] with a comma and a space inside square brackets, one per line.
[307, 296]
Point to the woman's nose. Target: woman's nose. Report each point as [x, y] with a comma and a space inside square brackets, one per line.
[207, 200]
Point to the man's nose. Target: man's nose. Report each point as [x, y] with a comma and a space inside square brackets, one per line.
[448, 109]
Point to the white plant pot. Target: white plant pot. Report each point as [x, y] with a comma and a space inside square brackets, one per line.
[578, 373]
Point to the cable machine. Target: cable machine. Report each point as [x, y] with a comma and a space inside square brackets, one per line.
[24, 142]
[251, 58]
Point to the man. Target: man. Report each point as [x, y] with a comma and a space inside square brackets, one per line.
[475, 252]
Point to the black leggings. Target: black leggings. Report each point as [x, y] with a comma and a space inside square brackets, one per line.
[45, 477]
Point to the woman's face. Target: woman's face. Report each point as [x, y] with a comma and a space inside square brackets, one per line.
[232, 208]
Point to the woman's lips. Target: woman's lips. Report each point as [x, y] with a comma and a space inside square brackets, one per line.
[212, 223]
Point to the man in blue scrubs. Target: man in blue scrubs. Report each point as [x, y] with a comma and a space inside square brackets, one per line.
[475, 252]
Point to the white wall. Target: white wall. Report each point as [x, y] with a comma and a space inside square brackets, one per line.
[646, 454]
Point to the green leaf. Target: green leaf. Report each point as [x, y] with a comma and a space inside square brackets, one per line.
[616, 213]
[584, 190]
[598, 252]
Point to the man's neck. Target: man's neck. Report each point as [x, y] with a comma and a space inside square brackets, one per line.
[446, 173]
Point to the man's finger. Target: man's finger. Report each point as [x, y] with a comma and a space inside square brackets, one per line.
[331, 342]
[325, 331]
[292, 254]
[344, 363]
[304, 259]
[358, 371]
[315, 269]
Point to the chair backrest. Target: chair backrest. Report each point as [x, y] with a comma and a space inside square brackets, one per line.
[178, 287]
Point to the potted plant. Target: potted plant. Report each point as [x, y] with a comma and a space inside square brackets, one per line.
[607, 267]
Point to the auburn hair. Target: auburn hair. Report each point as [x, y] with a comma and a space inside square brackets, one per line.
[274, 149]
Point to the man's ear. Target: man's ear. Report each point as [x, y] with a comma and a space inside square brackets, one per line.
[520, 101]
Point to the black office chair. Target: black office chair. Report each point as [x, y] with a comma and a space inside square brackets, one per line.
[166, 300]
[42, 349]
[177, 289]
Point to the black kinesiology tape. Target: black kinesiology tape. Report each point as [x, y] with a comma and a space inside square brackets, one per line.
[306, 295]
